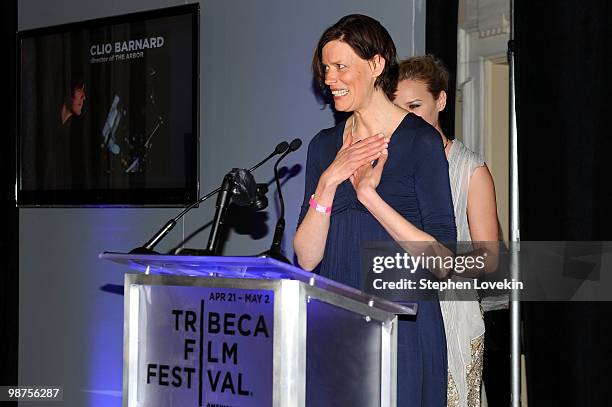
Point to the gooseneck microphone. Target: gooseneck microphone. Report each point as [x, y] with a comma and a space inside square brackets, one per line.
[148, 247]
[275, 249]
[279, 149]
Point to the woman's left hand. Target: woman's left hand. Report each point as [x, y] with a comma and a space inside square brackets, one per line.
[367, 178]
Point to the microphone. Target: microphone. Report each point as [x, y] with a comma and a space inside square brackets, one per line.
[148, 247]
[279, 149]
[275, 249]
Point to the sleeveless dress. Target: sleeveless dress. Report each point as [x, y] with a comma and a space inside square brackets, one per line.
[415, 183]
[463, 321]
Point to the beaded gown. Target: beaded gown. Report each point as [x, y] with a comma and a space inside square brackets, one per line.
[463, 321]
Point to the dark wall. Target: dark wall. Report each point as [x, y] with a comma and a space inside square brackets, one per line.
[9, 277]
[563, 98]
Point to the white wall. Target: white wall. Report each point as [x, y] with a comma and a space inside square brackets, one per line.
[255, 91]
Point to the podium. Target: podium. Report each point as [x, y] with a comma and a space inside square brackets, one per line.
[244, 331]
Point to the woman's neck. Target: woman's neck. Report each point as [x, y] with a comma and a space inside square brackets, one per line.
[379, 116]
[446, 142]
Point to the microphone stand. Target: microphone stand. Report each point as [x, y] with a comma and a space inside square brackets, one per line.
[223, 200]
[148, 247]
[275, 249]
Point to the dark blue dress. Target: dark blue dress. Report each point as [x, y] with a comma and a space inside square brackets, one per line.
[415, 183]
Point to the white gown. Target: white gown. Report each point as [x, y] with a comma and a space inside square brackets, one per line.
[463, 320]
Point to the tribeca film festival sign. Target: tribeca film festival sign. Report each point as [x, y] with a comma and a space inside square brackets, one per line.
[205, 346]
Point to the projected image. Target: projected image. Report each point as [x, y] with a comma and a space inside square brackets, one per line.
[109, 107]
[132, 148]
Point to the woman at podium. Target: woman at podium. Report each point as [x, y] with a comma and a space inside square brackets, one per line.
[380, 175]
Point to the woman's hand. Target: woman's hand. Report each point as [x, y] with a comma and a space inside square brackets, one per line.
[351, 157]
[311, 236]
[366, 178]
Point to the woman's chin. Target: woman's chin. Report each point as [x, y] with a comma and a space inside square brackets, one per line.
[341, 107]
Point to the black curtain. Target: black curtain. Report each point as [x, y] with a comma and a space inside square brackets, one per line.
[441, 18]
[9, 234]
[563, 63]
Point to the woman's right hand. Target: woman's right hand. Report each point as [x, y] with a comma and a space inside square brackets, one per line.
[352, 156]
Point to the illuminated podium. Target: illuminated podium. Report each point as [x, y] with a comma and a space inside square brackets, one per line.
[243, 331]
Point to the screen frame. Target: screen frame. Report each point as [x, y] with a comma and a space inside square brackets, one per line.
[140, 197]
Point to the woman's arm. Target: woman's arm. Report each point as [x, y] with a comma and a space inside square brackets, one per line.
[400, 229]
[311, 235]
[433, 194]
[481, 207]
[435, 203]
[482, 221]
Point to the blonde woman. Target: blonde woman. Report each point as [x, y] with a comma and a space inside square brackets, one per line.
[422, 87]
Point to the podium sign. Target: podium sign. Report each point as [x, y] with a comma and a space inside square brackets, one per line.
[205, 344]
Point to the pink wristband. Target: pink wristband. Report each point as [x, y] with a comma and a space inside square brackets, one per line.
[318, 207]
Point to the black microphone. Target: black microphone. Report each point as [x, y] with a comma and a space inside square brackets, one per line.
[147, 248]
[279, 149]
[275, 249]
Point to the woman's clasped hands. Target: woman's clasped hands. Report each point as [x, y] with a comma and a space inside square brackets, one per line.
[366, 178]
[354, 162]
